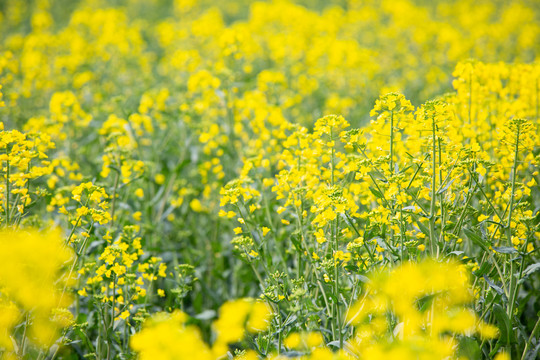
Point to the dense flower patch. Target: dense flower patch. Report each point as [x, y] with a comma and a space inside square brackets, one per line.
[274, 179]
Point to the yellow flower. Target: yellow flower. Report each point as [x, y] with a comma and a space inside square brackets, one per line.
[396, 292]
[137, 215]
[481, 170]
[320, 236]
[292, 341]
[31, 265]
[124, 315]
[159, 179]
[139, 193]
[165, 336]
[196, 205]
[482, 217]
[502, 356]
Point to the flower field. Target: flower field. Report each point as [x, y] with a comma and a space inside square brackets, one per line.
[237, 179]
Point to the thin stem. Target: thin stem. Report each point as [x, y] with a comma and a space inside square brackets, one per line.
[533, 333]
[513, 280]
[511, 206]
[470, 97]
[113, 205]
[336, 286]
[391, 142]
[7, 192]
[23, 340]
[432, 237]
[358, 233]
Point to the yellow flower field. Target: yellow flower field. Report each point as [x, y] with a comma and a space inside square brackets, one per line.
[280, 179]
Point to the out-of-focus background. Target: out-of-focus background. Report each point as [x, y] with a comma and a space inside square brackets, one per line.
[348, 52]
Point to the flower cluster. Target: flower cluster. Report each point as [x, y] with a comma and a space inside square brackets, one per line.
[185, 150]
[170, 336]
[34, 280]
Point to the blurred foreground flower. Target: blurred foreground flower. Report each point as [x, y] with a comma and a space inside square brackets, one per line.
[169, 336]
[416, 310]
[32, 288]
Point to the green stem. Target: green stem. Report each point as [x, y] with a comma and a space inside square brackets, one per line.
[113, 205]
[470, 97]
[533, 333]
[359, 235]
[23, 340]
[336, 286]
[432, 237]
[513, 280]
[7, 192]
[391, 142]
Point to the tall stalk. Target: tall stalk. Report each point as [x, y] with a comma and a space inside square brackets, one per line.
[7, 192]
[392, 142]
[513, 281]
[336, 313]
[432, 211]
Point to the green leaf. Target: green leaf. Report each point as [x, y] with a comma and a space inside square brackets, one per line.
[376, 192]
[531, 268]
[505, 249]
[529, 271]
[492, 285]
[475, 238]
[469, 348]
[423, 228]
[290, 320]
[504, 324]
[441, 191]
[206, 315]
[296, 242]
[484, 269]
